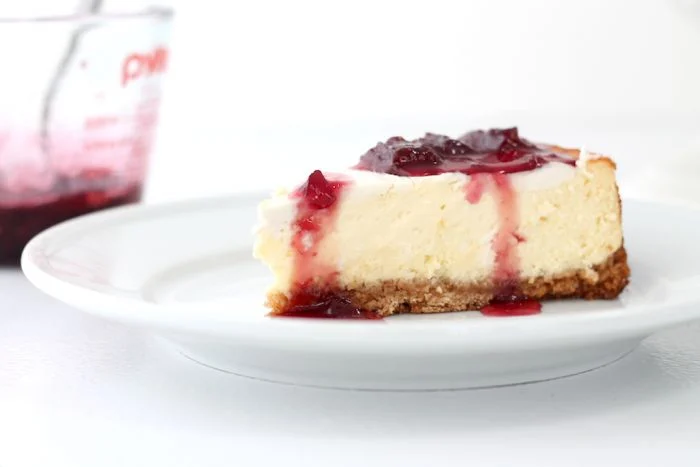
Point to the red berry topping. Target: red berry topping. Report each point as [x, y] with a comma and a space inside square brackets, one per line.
[319, 192]
[492, 151]
[328, 306]
[416, 156]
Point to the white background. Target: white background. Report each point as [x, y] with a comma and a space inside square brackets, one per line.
[307, 61]
[273, 88]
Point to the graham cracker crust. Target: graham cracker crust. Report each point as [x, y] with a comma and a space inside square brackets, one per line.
[436, 296]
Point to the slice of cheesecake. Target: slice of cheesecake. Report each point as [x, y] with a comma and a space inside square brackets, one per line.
[487, 221]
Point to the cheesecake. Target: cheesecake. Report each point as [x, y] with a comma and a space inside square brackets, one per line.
[487, 221]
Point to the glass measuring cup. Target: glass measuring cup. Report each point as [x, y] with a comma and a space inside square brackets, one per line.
[80, 98]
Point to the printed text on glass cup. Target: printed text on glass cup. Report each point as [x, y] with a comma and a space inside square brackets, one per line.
[137, 65]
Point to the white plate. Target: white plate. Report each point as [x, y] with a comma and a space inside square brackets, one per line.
[185, 272]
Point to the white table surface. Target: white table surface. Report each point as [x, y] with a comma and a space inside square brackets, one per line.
[76, 391]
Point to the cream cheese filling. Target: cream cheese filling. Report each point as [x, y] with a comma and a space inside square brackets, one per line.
[391, 227]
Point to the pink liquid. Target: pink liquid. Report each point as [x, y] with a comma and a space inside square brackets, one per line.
[22, 219]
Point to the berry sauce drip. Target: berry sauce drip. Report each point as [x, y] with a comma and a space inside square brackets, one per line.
[505, 244]
[506, 274]
[512, 308]
[21, 218]
[312, 293]
[324, 305]
[488, 157]
[316, 202]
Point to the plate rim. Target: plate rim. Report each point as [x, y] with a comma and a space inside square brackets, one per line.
[209, 316]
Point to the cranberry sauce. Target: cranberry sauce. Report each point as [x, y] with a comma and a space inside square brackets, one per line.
[512, 308]
[506, 272]
[313, 280]
[494, 151]
[316, 203]
[21, 218]
[306, 304]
